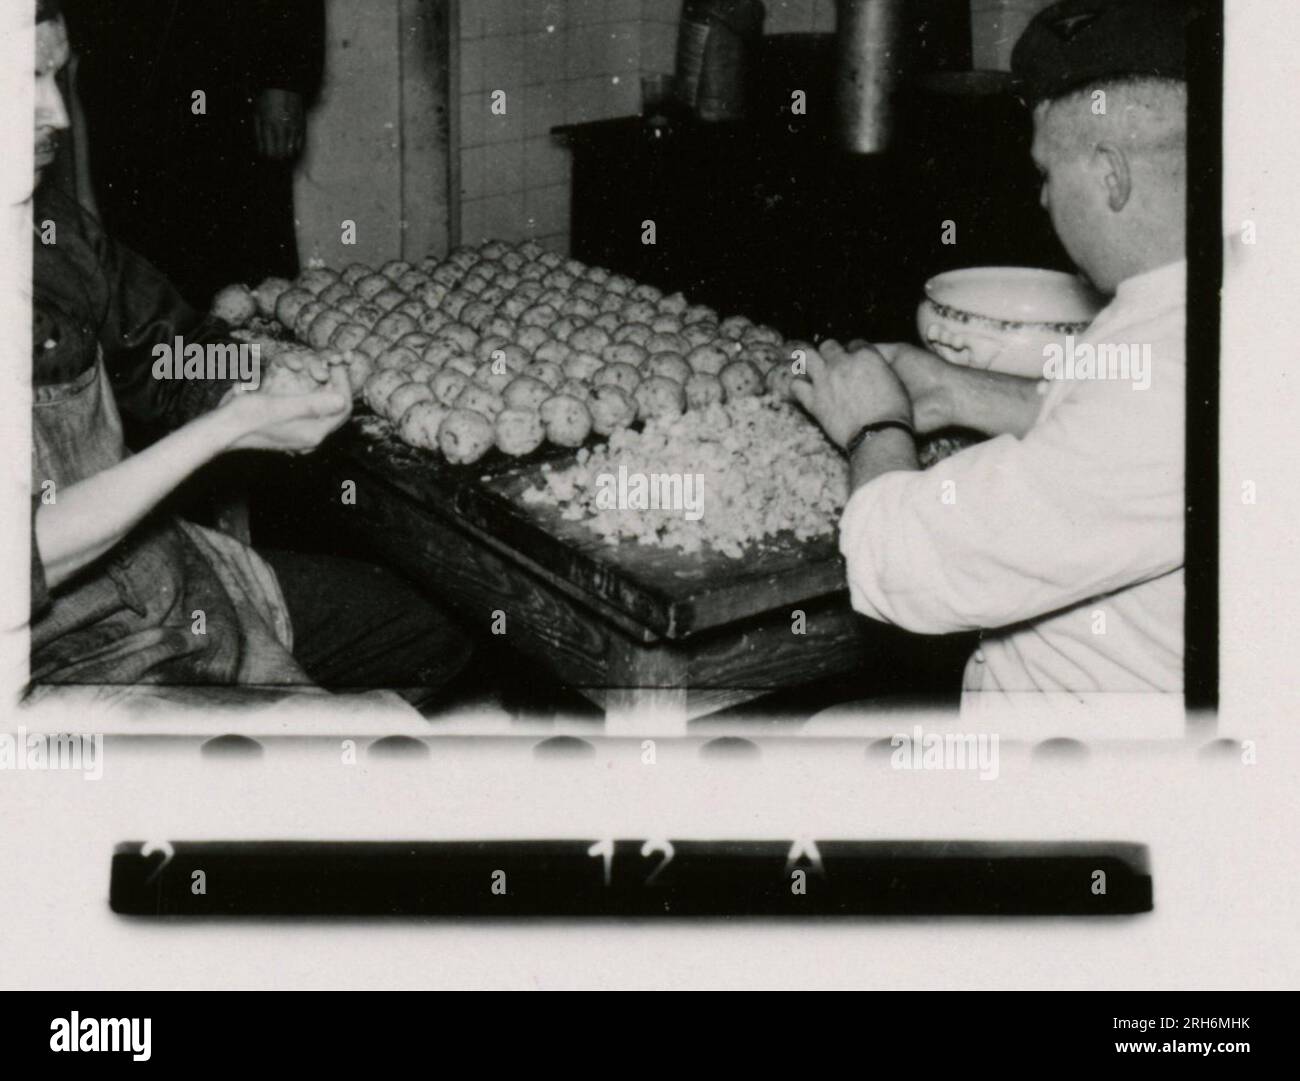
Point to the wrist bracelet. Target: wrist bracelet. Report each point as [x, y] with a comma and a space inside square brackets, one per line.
[871, 429]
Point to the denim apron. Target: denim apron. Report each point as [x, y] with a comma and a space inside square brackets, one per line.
[171, 603]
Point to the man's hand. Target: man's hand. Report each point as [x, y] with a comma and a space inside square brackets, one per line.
[279, 122]
[845, 391]
[296, 423]
[930, 381]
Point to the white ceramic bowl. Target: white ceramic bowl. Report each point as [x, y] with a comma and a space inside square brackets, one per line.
[1001, 318]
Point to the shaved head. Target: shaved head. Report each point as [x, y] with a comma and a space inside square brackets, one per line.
[1114, 163]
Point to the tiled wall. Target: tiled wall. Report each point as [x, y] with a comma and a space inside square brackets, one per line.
[559, 62]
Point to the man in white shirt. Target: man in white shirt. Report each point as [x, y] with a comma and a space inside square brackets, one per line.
[1061, 538]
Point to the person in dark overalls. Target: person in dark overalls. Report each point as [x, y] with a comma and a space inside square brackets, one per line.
[122, 594]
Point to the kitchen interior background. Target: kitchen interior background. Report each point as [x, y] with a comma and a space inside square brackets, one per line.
[387, 152]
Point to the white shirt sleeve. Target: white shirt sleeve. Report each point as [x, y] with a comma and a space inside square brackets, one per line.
[1090, 500]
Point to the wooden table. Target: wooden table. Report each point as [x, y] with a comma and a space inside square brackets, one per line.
[653, 636]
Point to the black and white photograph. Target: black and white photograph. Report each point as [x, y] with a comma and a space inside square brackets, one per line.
[649, 494]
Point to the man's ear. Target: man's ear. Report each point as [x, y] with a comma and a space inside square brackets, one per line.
[1113, 167]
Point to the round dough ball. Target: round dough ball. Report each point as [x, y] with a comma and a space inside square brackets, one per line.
[567, 420]
[462, 363]
[659, 397]
[740, 379]
[624, 353]
[667, 343]
[582, 366]
[589, 339]
[778, 382]
[623, 376]
[703, 390]
[465, 436]
[456, 302]
[306, 316]
[488, 345]
[335, 294]
[696, 334]
[421, 372]
[289, 304]
[764, 356]
[514, 357]
[734, 326]
[531, 338]
[417, 341]
[674, 304]
[493, 376]
[360, 369]
[572, 388]
[481, 400]
[371, 286]
[348, 336]
[394, 269]
[493, 249]
[611, 303]
[539, 315]
[707, 359]
[395, 359]
[438, 352]
[477, 315]
[323, 327]
[404, 397]
[353, 273]
[668, 365]
[579, 308]
[374, 346]
[666, 324]
[620, 284]
[412, 308]
[761, 336]
[235, 304]
[419, 425]
[268, 293]
[499, 326]
[646, 292]
[380, 387]
[317, 279]
[608, 322]
[388, 299]
[636, 333]
[512, 261]
[611, 409]
[412, 282]
[463, 336]
[525, 392]
[552, 352]
[430, 321]
[698, 313]
[597, 274]
[519, 431]
[449, 385]
[349, 304]
[432, 295]
[547, 371]
[367, 315]
[447, 275]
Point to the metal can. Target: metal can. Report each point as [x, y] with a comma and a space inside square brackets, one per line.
[714, 42]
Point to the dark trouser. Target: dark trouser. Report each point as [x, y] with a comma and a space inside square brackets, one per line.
[358, 626]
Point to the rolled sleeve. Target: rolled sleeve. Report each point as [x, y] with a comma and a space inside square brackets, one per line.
[1086, 503]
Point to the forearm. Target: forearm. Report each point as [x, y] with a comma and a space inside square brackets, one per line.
[89, 517]
[992, 402]
[885, 452]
